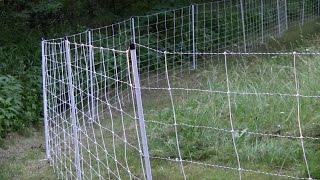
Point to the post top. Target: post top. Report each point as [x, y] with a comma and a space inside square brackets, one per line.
[132, 46]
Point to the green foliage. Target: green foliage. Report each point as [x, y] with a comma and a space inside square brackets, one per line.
[32, 101]
[20, 70]
[24, 22]
[20, 103]
[11, 105]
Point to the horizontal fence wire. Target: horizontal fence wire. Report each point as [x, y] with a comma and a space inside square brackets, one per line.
[210, 99]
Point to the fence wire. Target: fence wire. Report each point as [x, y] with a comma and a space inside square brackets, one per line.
[183, 98]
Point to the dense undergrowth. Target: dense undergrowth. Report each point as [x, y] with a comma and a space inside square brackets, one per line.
[251, 113]
[20, 83]
[23, 24]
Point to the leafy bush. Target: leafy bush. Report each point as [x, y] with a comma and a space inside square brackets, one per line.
[20, 86]
[32, 101]
[10, 104]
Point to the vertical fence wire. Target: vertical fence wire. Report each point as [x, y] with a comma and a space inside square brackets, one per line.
[297, 86]
[174, 118]
[233, 132]
[222, 25]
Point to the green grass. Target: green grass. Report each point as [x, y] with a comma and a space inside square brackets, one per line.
[276, 115]
[22, 157]
[198, 113]
[203, 121]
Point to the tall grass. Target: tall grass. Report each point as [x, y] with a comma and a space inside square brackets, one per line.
[264, 111]
[203, 116]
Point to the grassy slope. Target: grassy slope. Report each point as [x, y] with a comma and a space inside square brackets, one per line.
[276, 115]
[21, 157]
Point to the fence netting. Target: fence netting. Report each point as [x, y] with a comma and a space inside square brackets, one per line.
[182, 94]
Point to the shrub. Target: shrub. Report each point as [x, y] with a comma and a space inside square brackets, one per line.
[10, 104]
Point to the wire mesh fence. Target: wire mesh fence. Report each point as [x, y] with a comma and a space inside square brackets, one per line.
[189, 98]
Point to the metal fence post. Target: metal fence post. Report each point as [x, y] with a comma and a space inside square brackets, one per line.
[91, 69]
[243, 26]
[286, 14]
[73, 110]
[136, 80]
[279, 20]
[143, 133]
[44, 96]
[261, 13]
[302, 13]
[318, 7]
[133, 40]
[193, 37]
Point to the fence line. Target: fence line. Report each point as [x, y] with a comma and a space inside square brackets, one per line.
[94, 86]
